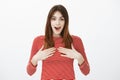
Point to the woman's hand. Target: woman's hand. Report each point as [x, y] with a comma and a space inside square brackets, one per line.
[71, 53]
[42, 54]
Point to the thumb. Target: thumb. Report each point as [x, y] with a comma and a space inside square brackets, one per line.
[72, 47]
[41, 47]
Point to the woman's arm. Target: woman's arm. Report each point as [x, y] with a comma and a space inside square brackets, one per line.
[77, 52]
[30, 67]
[37, 54]
[82, 60]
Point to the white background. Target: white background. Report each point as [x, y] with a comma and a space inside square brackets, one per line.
[97, 22]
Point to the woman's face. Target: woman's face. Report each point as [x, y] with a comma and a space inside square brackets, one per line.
[57, 23]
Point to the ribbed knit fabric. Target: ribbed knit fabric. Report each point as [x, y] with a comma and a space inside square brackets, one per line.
[57, 67]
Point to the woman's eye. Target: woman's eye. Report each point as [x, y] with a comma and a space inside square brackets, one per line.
[53, 19]
[62, 19]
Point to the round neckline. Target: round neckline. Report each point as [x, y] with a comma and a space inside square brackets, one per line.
[56, 37]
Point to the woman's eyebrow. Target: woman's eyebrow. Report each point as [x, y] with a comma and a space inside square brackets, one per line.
[60, 16]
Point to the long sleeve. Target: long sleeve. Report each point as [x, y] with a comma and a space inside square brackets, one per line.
[31, 69]
[84, 67]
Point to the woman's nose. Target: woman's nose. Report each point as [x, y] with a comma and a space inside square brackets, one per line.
[57, 22]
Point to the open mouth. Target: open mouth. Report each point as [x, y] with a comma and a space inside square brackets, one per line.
[57, 28]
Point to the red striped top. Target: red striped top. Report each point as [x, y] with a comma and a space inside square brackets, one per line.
[58, 67]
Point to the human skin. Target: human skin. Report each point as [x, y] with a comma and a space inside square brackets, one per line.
[57, 25]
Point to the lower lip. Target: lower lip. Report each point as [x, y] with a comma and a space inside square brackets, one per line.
[57, 29]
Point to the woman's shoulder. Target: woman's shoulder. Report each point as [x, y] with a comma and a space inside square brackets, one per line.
[74, 37]
[39, 38]
[77, 41]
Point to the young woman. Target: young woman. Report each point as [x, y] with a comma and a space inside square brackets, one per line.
[57, 49]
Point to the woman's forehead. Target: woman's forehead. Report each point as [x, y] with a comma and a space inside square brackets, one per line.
[57, 14]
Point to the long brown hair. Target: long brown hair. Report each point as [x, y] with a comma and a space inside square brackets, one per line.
[67, 39]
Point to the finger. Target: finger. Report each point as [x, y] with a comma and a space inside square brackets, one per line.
[63, 49]
[49, 50]
[72, 47]
[64, 55]
[50, 55]
[52, 52]
[41, 47]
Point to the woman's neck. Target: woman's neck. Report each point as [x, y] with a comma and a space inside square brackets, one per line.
[56, 35]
